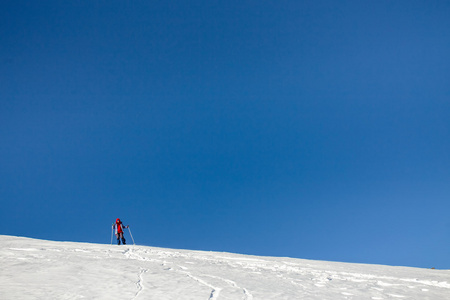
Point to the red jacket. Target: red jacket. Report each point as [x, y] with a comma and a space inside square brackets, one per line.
[119, 226]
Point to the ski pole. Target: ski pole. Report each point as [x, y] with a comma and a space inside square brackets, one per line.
[131, 234]
[112, 229]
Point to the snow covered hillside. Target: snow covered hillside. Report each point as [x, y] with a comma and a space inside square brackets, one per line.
[38, 269]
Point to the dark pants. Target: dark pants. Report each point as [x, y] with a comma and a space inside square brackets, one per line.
[119, 236]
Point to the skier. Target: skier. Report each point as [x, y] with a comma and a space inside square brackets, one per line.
[119, 231]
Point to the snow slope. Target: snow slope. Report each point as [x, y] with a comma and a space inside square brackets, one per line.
[38, 269]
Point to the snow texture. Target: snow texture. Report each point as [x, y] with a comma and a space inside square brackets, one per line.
[38, 269]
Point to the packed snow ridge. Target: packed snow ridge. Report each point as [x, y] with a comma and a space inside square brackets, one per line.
[38, 269]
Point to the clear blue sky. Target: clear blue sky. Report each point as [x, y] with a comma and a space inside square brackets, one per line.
[309, 129]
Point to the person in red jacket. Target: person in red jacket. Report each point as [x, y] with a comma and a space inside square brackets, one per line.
[119, 231]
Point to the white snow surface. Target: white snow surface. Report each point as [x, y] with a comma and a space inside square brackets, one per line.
[39, 269]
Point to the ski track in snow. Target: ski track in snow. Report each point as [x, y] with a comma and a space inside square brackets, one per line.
[320, 278]
[140, 282]
[247, 295]
[215, 290]
[53, 270]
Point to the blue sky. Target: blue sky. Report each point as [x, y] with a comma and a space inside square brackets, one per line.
[309, 129]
